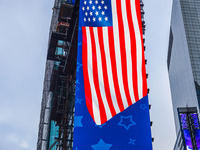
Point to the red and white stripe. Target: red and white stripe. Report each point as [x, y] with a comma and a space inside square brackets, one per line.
[113, 62]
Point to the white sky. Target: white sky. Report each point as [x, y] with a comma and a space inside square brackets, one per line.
[158, 17]
[24, 32]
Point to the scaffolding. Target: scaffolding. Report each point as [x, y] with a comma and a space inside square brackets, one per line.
[59, 82]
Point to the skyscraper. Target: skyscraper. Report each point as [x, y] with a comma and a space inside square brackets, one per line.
[184, 60]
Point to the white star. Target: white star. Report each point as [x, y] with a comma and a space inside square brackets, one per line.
[97, 13]
[90, 2]
[99, 7]
[83, 8]
[84, 19]
[86, 13]
[89, 19]
[105, 7]
[106, 18]
[91, 13]
[93, 7]
[102, 2]
[94, 19]
[100, 19]
[96, 1]
[88, 7]
[85, 2]
[103, 13]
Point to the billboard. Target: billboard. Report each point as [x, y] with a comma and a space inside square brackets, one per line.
[111, 104]
[186, 131]
[190, 128]
[195, 123]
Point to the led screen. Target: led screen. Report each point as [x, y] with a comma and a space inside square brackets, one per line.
[186, 132]
[184, 122]
[197, 138]
[98, 92]
[195, 120]
[195, 123]
[188, 140]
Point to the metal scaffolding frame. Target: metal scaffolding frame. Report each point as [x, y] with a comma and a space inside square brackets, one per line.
[63, 94]
[45, 108]
[46, 95]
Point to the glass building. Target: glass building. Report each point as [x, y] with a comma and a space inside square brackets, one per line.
[184, 61]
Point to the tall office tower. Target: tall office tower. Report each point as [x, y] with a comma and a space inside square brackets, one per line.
[57, 107]
[184, 69]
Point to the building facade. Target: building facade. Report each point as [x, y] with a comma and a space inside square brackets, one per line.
[57, 107]
[184, 60]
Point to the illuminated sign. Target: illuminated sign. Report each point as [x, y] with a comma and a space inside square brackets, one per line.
[190, 128]
[188, 140]
[184, 122]
[195, 122]
[186, 132]
[197, 138]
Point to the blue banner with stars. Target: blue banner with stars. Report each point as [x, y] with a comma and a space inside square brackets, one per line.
[129, 130]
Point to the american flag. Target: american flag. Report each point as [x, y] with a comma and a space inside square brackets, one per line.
[112, 56]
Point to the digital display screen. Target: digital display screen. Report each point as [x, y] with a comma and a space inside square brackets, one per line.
[184, 122]
[190, 126]
[195, 120]
[197, 138]
[188, 140]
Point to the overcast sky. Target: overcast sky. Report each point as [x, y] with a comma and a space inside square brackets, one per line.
[24, 32]
[158, 17]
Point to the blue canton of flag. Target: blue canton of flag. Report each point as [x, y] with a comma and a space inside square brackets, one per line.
[96, 13]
